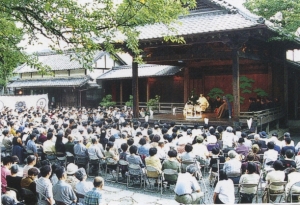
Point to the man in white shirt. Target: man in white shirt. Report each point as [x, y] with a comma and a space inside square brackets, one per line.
[49, 145]
[228, 138]
[187, 188]
[270, 155]
[200, 149]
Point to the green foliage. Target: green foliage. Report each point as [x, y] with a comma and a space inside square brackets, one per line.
[107, 101]
[130, 102]
[260, 92]
[229, 97]
[213, 93]
[153, 103]
[290, 10]
[81, 26]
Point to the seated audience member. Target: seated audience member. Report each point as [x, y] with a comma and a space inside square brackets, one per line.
[5, 171]
[250, 158]
[241, 148]
[270, 155]
[49, 145]
[187, 155]
[187, 189]
[228, 138]
[69, 146]
[123, 156]
[153, 159]
[79, 149]
[171, 163]
[224, 190]
[213, 164]
[247, 142]
[13, 180]
[133, 158]
[274, 176]
[255, 150]
[110, 152]
[29, 181]
[59, 145]
[44, 187]
[95, 196]
[94, 151]
[288, 161]
[144, 147]
[200, 150]
[287, 146]
[9, 198]
[292, 177]
[261, 143]
[232, 167]
[250, 177]
[31, 146]
[283, 142]
[31, 161]
[219, 140]
[62, 191]
[53, 178]
[71, 179]
[83, 186]
[161, 154]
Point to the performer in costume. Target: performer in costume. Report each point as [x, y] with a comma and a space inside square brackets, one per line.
[203, 103]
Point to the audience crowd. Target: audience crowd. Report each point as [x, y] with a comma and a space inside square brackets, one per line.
[34, 138]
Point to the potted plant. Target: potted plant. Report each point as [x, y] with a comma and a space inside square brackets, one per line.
[107, 101]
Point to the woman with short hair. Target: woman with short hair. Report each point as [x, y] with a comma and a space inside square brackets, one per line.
[224, 191]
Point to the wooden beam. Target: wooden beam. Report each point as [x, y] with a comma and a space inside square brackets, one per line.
[148, 90]
[270, 80]
[235, 82]
[135, 89]
[285, 88]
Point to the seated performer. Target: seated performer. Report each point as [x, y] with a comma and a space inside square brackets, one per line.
[203, 103]
[225, 109]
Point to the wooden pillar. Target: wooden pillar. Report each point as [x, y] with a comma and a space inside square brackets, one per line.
[121, 92]
[270, 80]
[296, 95]
[285, 89]
[235, 82]
[135, 89]
[148, 90]
[186, 78]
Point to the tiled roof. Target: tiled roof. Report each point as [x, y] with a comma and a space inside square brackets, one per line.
[198, 23]
[50, 82]
[147, 70]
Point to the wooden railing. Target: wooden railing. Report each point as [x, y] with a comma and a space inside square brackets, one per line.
[262, 117]
[162, 107]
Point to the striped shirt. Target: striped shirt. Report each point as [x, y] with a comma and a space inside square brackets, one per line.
[44, 189]
[93, 197]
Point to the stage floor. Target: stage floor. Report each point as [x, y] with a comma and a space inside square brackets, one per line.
[181, 119]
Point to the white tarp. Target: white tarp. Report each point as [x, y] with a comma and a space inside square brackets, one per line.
[17, 102]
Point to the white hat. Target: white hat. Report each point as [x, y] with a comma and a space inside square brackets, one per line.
[72, 168]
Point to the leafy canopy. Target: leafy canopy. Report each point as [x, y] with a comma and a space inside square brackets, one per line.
[290, 10]
[83, 26]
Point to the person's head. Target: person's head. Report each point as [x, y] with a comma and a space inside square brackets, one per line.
[289, 153]
[70, 138]
[142, 141]
[251, 168]
[94, 140]
[229, 129]
[109, 145]
[33, 172]
[133, 149]
[98, 182]
[130, 141]
[31, 160]
[192, 169]
[80, 174]
[255, 148]
[124, 147]
[33, 136]
[250, 157]
[45, 171]
[223, 175]
[14, 169]
[215, 151]
[232, 154]
[287, 140]
[241, 140]
[277, 165]
[61, 173]
[271, 145]
[188, 147]
[172, 153]
[71, 169]
[152, 151]
[49, 135]
[199, 139]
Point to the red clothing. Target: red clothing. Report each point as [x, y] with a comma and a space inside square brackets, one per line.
[4, 172]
